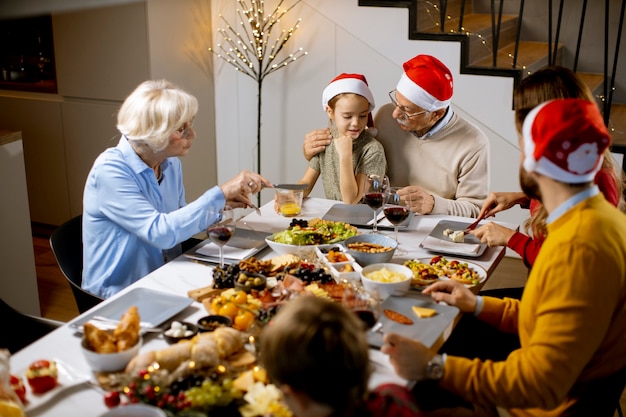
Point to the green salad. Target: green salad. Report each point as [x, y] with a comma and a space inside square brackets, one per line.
[315, 232]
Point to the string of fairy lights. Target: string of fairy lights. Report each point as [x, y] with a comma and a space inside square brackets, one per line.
[253, 45]
[433, 13]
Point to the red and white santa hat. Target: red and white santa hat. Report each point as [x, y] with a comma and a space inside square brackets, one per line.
[426, 82]
[564, 139]
[348, 83]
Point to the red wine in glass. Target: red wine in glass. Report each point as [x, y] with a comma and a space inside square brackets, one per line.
[220, 235]
[221, 232]
[374, 200]
[367, 317]
[375, 195]
[396, 215]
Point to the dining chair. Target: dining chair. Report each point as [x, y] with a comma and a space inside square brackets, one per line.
[67, 245]
[20, 329]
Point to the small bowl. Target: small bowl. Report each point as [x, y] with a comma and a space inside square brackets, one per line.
[190, 331]
[212, 322]
[386, 289]
[135, 410]
[109, 362]
[252, 281]
[367, 258]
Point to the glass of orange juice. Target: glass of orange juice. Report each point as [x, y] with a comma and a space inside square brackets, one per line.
[289, 202]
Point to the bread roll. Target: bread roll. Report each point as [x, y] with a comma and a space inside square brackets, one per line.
[172, 356]
[98, 340]
[228, 341]
[127, 331]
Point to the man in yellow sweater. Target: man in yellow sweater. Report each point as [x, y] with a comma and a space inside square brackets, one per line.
[571, 319]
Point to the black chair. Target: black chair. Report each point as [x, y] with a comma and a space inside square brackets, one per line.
[67, 245]
[20, 330]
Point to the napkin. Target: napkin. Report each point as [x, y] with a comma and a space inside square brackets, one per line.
[436, 244]
[230, 252]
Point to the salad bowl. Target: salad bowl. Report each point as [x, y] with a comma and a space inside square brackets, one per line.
[303, 236]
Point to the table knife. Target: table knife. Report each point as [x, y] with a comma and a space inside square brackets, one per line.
[291, 186]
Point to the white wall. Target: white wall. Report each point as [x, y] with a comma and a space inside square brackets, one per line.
[342, 37]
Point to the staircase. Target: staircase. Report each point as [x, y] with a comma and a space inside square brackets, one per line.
[493, 43]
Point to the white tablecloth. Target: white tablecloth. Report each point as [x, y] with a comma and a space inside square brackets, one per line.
[182, 274]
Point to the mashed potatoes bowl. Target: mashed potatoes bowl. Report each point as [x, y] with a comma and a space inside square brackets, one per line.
[386, 279]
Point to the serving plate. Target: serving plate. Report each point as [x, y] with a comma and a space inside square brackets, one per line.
[244, 244]
[482, 273]
[426, 330]
[362, 216]
[155, 307]
[437, 242]
[69, 379]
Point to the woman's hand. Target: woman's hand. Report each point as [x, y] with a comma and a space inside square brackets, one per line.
[315, 142]
[496, 202]
[238, 189]
[452, 293]
[493, 234]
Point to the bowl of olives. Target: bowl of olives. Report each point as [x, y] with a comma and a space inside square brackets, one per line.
[248, 281]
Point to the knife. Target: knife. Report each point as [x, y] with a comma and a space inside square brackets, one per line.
[291, 186]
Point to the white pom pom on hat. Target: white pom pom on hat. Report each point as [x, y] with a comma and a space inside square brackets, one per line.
[565, 139]
[348, 83]
[426, 82]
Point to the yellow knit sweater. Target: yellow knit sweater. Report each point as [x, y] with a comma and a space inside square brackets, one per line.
[571, 319]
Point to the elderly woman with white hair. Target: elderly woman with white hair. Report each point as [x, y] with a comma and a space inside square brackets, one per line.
[134, 210]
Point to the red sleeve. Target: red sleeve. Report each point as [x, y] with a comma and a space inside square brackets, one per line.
[526, 247]
[606, 183]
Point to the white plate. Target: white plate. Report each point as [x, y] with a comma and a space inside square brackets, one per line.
[154, 307]
[482, 273]
[437, 242]
[68, 378]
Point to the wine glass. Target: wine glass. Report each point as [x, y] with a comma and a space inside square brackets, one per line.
[221, 231]
[375, 195]
[366, 306]
[397, 211]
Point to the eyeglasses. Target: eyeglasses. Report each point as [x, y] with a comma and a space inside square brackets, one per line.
[392, 97]
[185, 131]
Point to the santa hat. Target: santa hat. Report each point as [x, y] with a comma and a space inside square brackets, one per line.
[564, 139]
[351, 83]
[426, 82]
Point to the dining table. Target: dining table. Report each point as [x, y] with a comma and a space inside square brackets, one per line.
[164, 293]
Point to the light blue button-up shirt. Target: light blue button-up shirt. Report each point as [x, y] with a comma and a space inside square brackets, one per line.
[130, 219]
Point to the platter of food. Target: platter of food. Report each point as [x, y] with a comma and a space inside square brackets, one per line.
[37, 395]
[429, 270]
[155, 307]
[445, 238]
[302, 235]
[406, 315]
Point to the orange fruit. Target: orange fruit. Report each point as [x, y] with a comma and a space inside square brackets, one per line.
[229, 309]
[244, 320]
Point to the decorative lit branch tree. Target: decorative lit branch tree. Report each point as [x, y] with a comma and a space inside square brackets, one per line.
[252, 50]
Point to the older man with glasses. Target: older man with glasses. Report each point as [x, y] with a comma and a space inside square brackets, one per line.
[438, 157]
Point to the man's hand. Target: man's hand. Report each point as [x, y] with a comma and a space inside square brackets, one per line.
[315, 142]
[452, 293]
[421, 201]
[493, 234]
[408, 357]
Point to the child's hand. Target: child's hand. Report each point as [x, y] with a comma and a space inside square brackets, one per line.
[343, 144]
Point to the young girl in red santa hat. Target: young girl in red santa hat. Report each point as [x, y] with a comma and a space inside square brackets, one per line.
[354, 152]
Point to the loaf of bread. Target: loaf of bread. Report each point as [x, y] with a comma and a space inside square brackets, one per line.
[206, 350]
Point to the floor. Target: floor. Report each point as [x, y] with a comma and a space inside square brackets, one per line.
[57, 302]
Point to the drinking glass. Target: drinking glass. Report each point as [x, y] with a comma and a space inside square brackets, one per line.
[221, 231]
[397, 211]
[375, 195]
[366, 306]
